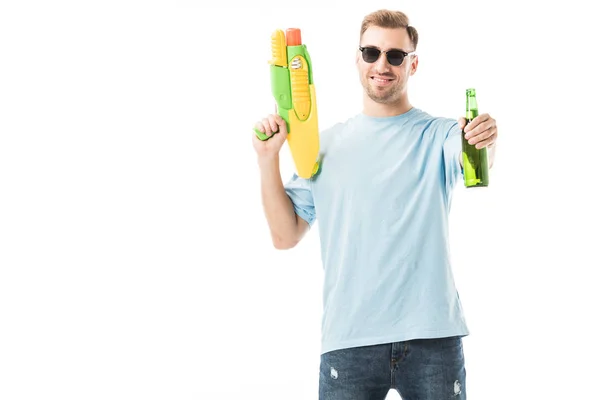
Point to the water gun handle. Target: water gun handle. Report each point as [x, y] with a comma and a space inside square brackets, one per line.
[262, 135]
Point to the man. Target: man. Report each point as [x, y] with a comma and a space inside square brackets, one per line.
[392, 317]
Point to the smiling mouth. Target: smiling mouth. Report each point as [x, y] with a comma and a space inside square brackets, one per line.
[381, 80]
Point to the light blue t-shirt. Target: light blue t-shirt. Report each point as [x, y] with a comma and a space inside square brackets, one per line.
[382, 200]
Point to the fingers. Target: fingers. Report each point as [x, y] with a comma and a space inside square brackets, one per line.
[264, 126]
[479, 125]
[487, 142]
[272, 124]
[478, 120]
[462, 122]
[478, 139]
[485, 138]
[280, 124]
[482, 131]
[478, 130]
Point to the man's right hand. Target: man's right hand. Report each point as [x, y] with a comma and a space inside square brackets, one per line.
[269, 149]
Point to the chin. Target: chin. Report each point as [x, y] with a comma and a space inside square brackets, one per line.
[382, 96]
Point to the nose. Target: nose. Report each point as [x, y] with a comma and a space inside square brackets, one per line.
[382, 65]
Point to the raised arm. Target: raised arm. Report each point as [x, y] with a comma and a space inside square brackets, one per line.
[287, 228]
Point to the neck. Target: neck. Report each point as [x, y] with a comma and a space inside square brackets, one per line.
[374, 109]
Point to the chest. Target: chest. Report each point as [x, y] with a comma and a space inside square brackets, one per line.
[390, 159]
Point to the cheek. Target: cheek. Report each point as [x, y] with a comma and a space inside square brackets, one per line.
[365, 71]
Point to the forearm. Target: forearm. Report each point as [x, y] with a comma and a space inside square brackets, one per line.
[277, 206]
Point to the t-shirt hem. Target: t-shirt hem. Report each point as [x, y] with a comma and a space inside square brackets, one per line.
[398, 337]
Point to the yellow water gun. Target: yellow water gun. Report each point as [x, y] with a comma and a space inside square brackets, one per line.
[293, 88]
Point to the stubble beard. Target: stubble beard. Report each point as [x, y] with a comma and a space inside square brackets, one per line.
[390, 95]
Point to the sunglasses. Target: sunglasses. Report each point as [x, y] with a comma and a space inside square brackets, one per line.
[394, 57]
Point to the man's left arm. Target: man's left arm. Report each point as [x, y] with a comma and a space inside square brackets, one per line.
[481, 132]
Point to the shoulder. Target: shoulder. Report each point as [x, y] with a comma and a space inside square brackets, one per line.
[437, 126]
[336, 130]
[434, 121]
[340, 126]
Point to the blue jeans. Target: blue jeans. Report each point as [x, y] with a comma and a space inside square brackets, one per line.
[423, 369]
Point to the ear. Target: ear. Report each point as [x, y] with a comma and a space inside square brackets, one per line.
[414, 64]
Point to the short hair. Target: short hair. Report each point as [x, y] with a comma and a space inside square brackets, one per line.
[390, 19]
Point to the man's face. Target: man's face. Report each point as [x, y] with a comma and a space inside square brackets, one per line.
[385, 83]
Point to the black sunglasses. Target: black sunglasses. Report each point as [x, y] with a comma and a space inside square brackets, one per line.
[395, 57]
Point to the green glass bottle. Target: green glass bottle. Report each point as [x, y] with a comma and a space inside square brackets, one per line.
[475, 161]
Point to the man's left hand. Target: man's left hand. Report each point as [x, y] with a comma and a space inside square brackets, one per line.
[481, 131]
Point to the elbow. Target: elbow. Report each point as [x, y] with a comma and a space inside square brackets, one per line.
[284, 243]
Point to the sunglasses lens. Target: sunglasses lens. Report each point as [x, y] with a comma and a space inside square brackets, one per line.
[395, 57]
[370, 55]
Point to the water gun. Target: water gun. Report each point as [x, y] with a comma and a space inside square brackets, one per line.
[293, 88]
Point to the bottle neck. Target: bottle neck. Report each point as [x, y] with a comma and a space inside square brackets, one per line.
[471, 108]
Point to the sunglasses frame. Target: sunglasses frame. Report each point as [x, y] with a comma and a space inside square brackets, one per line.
[386, 52]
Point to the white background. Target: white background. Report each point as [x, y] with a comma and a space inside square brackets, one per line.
[135, 261]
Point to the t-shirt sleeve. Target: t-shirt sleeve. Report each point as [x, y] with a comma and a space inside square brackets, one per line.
[452, 152]
[300, 192]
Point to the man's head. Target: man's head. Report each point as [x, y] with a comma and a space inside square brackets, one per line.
[384, 68]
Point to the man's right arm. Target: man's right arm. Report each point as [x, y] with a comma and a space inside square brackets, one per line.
[287, 228]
